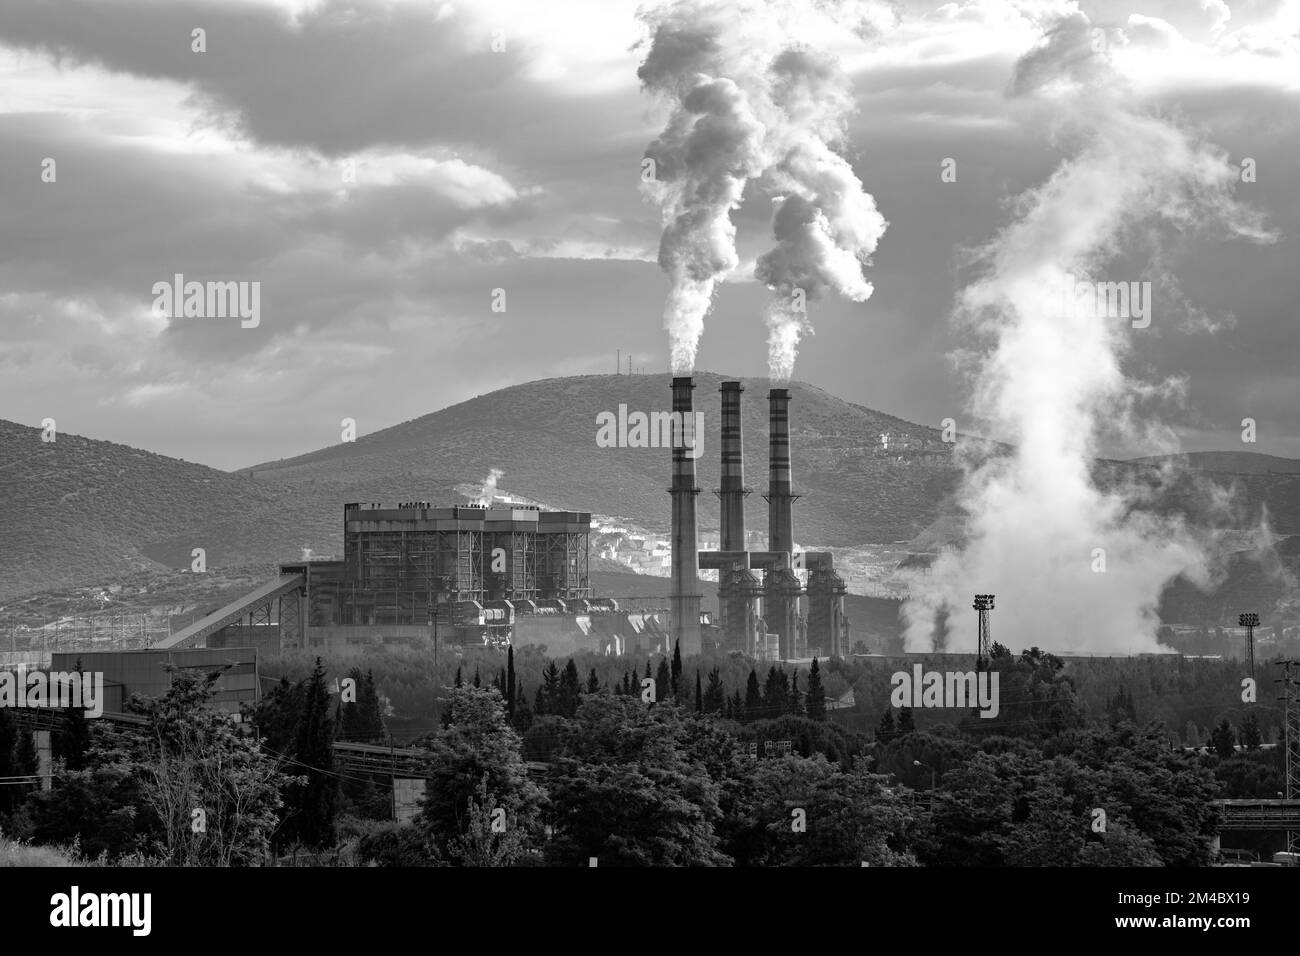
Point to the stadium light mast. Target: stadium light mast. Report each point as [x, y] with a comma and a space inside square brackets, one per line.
[984, 655]
[1249, 622]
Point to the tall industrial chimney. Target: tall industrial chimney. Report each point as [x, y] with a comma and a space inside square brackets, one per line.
[782, 608]
[739, 592]
[780, 514]
[684, 601]
[733, 492]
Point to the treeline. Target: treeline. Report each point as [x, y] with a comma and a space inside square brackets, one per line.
[632, 783]
[1183, 695]
[650, 764]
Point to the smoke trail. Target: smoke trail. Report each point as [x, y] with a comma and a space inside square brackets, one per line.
[826, 226]
[710, 148]
[488, 490]
[1052, 382]
[750, 100]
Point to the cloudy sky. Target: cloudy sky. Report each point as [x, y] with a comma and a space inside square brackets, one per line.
[381, 167]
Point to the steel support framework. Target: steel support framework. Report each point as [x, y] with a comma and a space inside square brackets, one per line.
[566, 565]
[1290, 698]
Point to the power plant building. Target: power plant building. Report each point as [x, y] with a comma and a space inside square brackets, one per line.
[497, 575]
[458, 575]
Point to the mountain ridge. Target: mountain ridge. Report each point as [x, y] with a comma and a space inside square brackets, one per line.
[80, 510]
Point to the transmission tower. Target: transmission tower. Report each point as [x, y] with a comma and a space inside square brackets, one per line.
[1291, 699]
[1249, 622]
[984, 604]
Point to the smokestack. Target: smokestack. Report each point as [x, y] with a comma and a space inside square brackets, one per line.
[685, 597]
[782, 585]
[780, 514]
[733, 492]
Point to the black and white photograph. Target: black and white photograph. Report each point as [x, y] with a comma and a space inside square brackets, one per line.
[753, 434]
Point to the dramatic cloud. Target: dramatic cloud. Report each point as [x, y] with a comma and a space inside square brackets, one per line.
[381, 166]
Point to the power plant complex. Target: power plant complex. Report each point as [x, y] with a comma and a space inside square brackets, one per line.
[497, 575]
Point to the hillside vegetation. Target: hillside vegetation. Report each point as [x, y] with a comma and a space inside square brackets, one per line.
[83, 512]
[542, 435]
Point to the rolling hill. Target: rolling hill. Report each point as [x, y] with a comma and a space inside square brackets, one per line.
[542, 436]
[77, 510]
[80, 511]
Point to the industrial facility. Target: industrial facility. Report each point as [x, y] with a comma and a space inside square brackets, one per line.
[494, 575]
[778, 619]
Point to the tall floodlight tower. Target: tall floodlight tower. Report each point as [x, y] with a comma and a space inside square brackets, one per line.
[1290, 682]
[1249, 622]
[984, 604]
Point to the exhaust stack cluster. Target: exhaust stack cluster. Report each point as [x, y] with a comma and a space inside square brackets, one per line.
[748, 610]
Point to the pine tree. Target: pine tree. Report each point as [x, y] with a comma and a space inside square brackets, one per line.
[549, 691]
[476, 678]
[1222, 739]
[699, 693]
[627, 683]
[647, 668]
[905, 724]
[776, 693]
[372, 712]
[460, 681]
[714, 694]
[736, 706]
[663, 680]
[73, 742]
[593, 682]
[312, 806]
[886, 731]
[360, 720]
[677, 667]
[796, 703]
[523, 718]
[1251, 736]
[816, 693]
[570, 689]
[510, 680]
[753, 708]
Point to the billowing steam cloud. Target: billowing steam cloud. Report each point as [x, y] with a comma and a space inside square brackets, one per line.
[826, 226]
[1073, 566]
[749, 102]
[709, 150]
[487, 492]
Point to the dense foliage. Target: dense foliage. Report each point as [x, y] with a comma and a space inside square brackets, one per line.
[713, 761]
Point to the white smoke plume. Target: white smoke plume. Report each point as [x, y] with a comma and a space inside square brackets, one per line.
[748, 99]
[825, 224]
[1051, 382]
[487, 492]
[710, 148]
